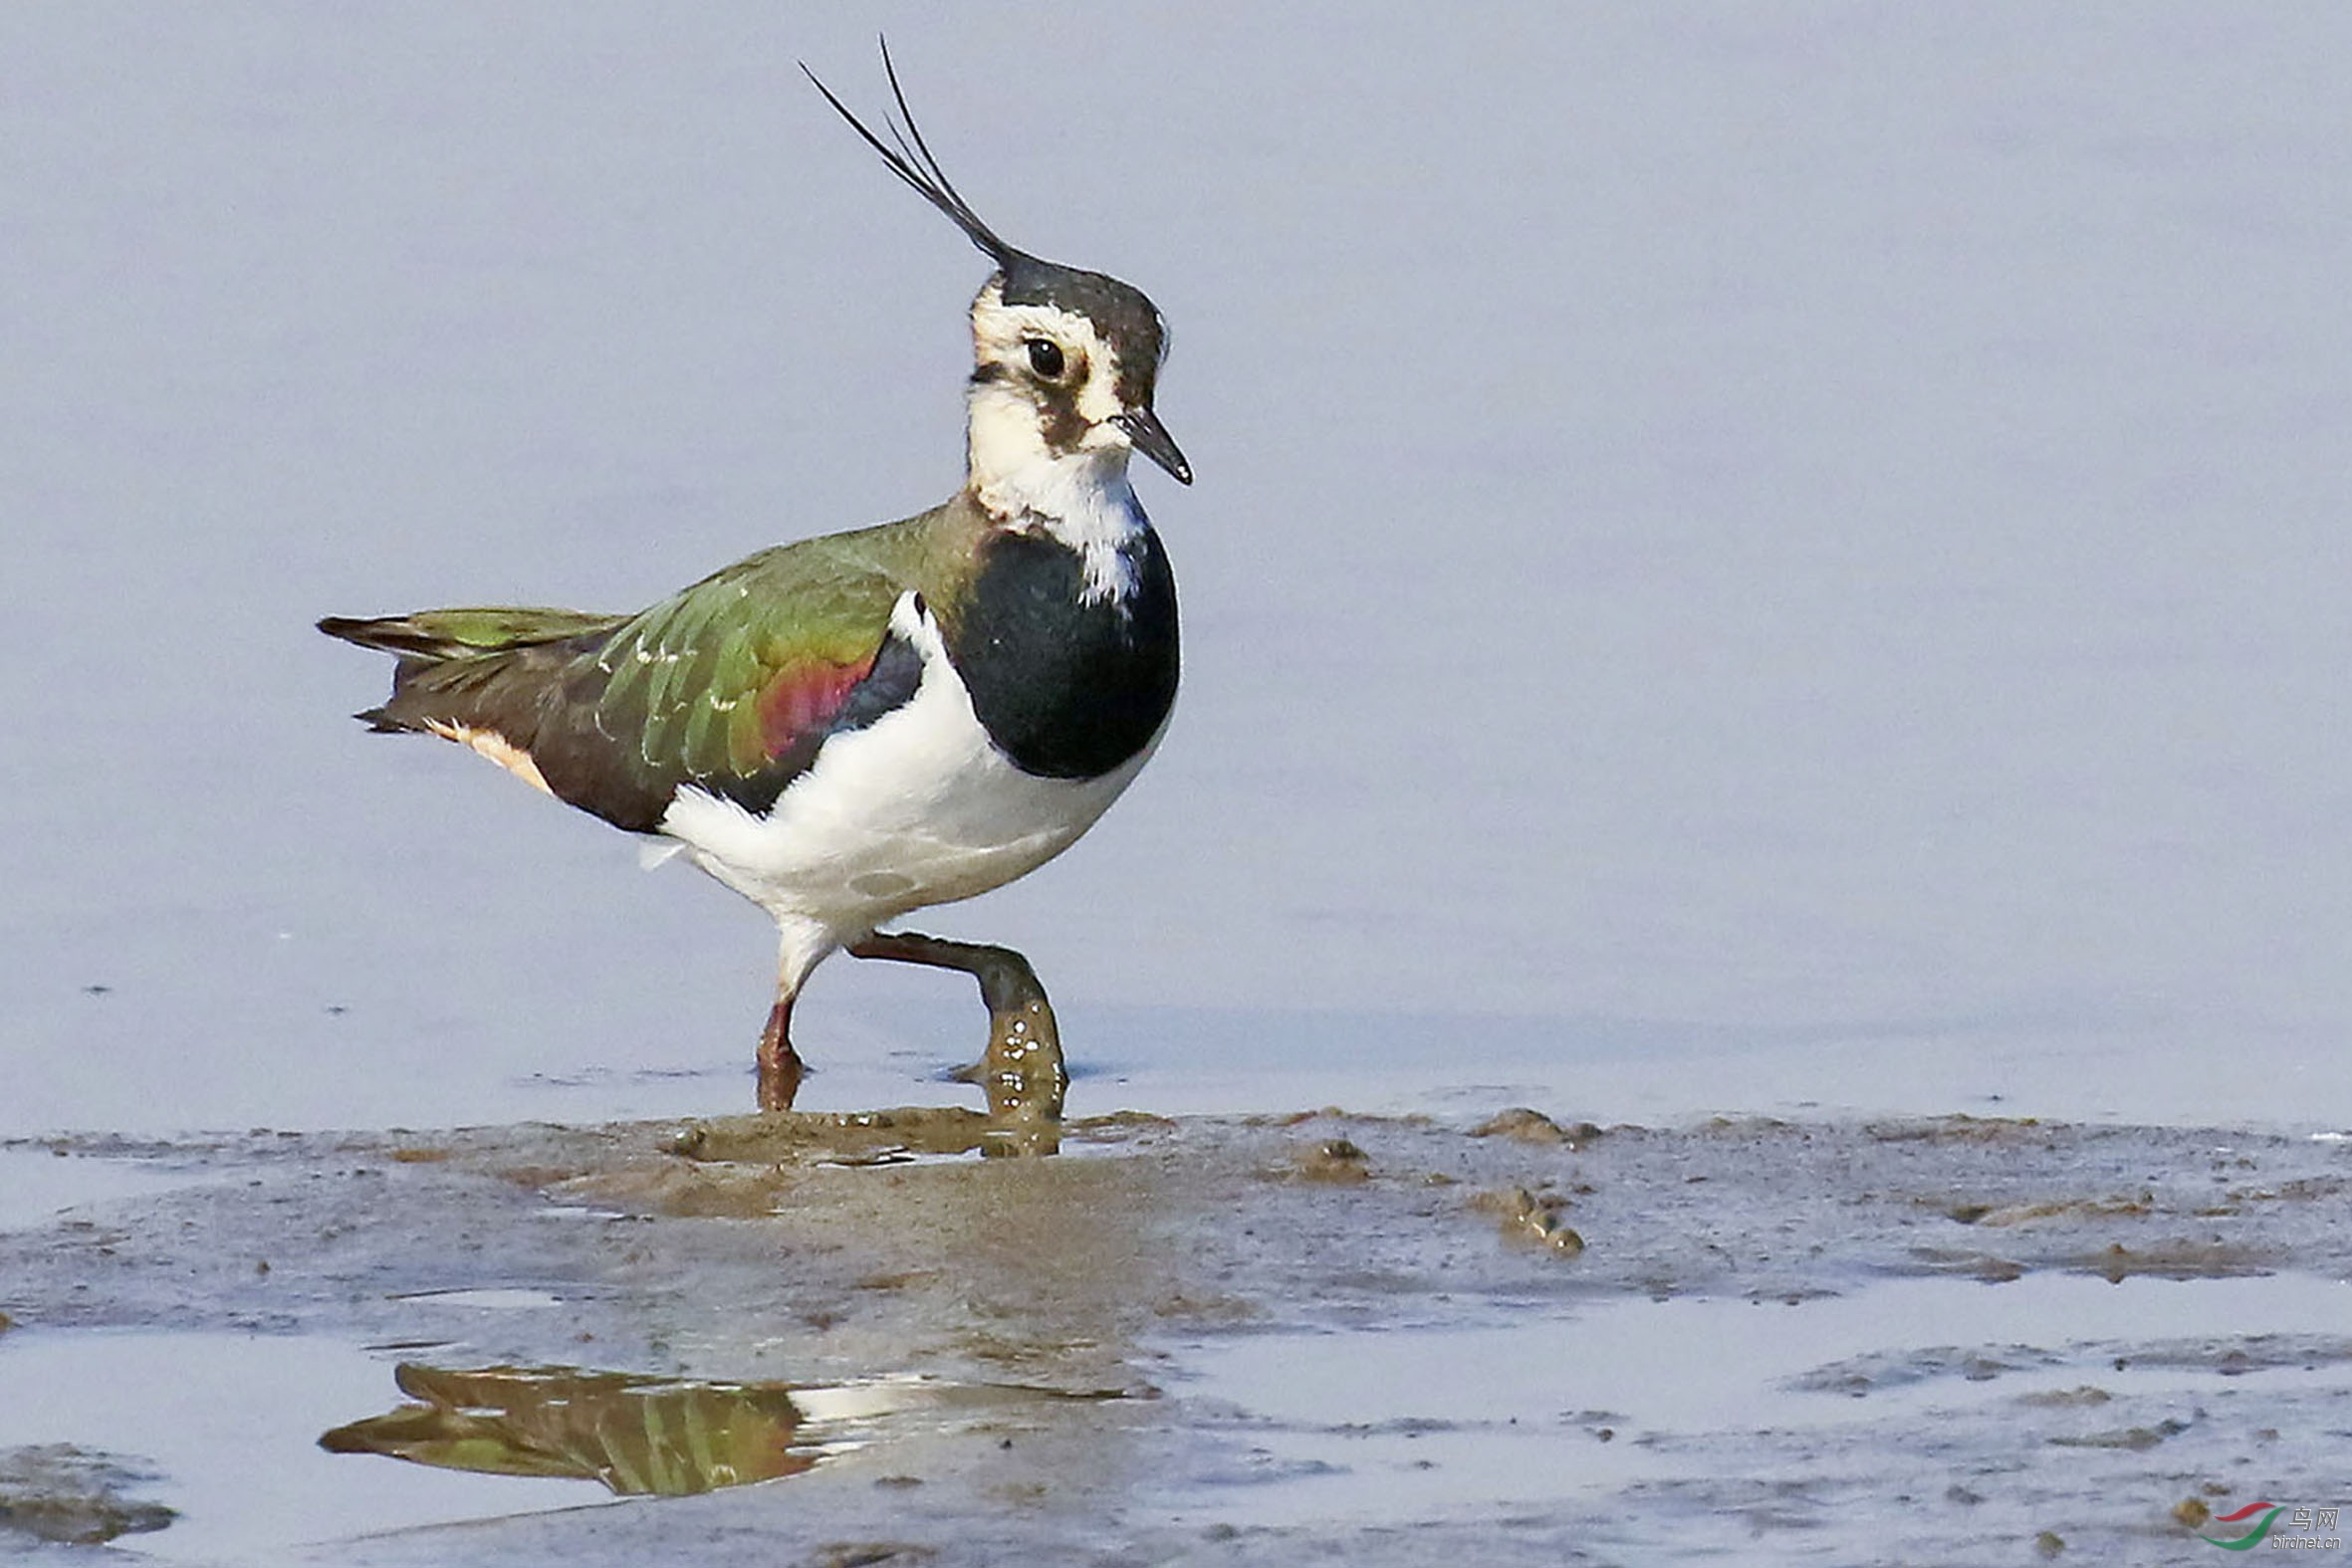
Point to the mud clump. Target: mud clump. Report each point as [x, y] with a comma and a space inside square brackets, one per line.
[1960, 1130]
[1522, 1125]
[2060, 1399]
[2134, 1440]
[781, 1137]
[1532, 1219]
[1334, 1160]
[1993, 1218]
[72, 1496]
[872, 1554]
[2177, 1261]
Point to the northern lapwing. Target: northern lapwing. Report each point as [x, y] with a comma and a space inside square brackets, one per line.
[851, 728]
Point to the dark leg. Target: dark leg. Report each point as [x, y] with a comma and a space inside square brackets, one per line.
[781, 1069]
[1021, 1072]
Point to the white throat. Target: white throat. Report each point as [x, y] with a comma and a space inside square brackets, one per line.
[1081, 499]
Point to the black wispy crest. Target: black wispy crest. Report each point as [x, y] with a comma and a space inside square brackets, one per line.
[911, 160]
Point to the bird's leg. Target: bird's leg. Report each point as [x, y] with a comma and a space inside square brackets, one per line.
[1022, 1073]
[800, 946]
[781, 1069]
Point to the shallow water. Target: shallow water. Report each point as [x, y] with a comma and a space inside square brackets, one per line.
[232, 1420]
[1792, 557]
[1448, 1421]
[1577, 1410]
[1208, 1340]
[38, 1185]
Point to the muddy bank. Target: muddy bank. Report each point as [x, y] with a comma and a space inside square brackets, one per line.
[1241, 1340]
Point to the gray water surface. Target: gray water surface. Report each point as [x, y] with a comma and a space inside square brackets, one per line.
[1742, 558]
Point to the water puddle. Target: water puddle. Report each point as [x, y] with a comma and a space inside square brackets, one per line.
[1423, 1423]
[228, 1425]
[37, 1183]
[497, 1298]
[226, 1448]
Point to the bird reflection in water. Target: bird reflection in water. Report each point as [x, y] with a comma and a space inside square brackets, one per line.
[639, 1435]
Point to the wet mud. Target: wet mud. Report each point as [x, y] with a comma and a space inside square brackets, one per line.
[1520, 1338]
[69, 1497]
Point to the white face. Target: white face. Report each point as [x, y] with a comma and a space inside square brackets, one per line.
[1045, 393]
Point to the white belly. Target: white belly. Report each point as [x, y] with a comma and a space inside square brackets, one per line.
[917, 808]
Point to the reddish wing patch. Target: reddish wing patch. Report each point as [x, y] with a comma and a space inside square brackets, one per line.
[804, 699]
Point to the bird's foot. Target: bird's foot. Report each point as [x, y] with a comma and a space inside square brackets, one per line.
[1021, 1072]
[781, 1067]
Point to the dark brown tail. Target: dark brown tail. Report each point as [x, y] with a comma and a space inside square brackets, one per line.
[529, 677]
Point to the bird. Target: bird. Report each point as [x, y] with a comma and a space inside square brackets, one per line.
[849, 728]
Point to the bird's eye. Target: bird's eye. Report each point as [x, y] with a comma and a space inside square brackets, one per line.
[1044, 357]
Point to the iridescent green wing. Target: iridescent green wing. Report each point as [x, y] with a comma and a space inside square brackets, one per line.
[731, 684]
[723, 679]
